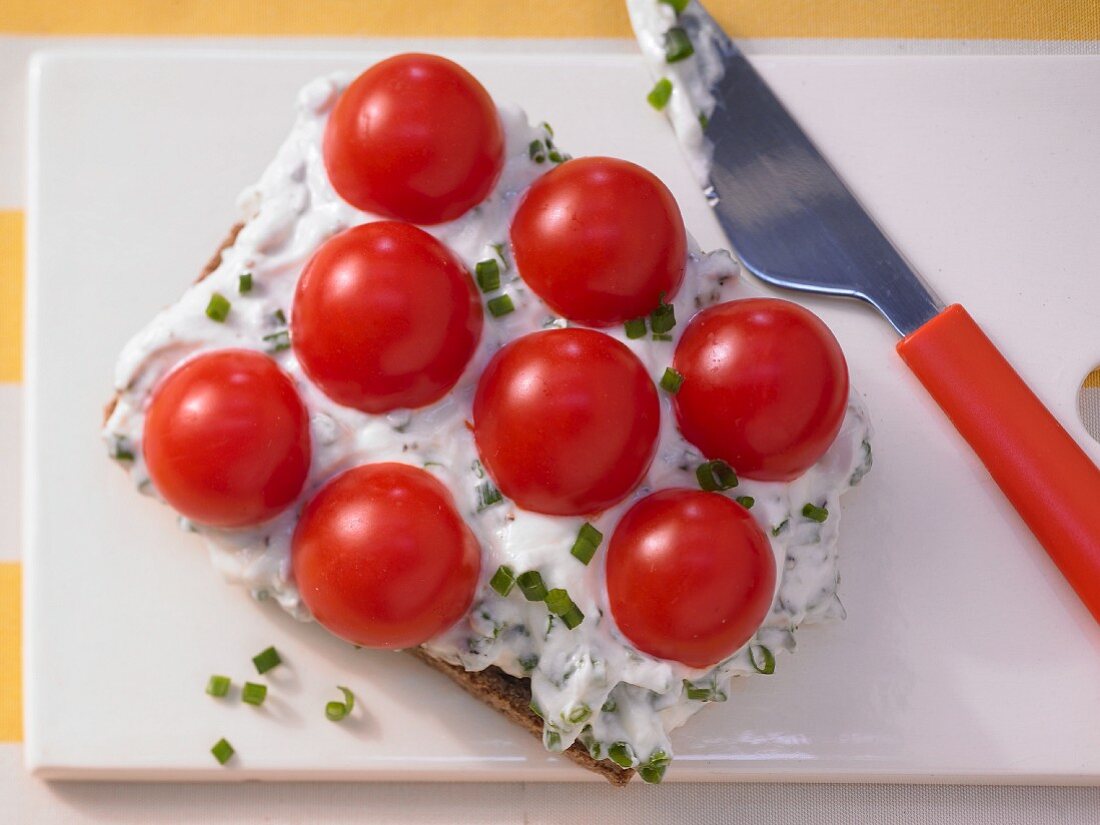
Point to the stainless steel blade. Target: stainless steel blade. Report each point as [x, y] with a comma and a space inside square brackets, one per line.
[789, 216]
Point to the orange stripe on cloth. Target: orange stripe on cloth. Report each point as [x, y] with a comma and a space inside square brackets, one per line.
[11, 666]
[946, 19]
[11, 296]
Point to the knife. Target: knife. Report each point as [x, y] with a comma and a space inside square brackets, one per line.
[794, 224]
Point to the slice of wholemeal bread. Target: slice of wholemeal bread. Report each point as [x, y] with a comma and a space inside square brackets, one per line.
[510, 695]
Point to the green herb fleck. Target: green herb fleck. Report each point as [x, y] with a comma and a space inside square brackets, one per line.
[704, 121]
[253, 693]
[609, 706]
[746, 501]
[762, 659]
[266, 660]
[503, 580]
[663, 318]
[677, 5]
[551, 739]
[335, 711]
[536, 150]
[280, 316]
[222, 751]
[488, 275]
[815, 513]
[779, 528]
[671, 381]
[587, 543]
[121, 450]
[716, 475]
[546, 127]
[534, 590]
[218, 686]
[487, 495]
[707, 693]
[560, 605]
[501, 305]
[218, 308]
[635, 328]
[621, 754]
[653, 771]
[579, 714]
[677, 45]
[244, 283]
[659, 95]
[277, 341]
[528, 663]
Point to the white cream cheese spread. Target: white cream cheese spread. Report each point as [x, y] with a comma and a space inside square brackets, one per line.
[588, 682]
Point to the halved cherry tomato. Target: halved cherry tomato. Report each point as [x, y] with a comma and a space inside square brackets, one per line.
[765, 387]
[385, 316]
[600, 240]
[382, 558]
[566, 421]
[690, 576]
[414, 137]
[227, 439]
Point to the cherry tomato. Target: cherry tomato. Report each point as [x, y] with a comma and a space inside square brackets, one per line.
[385, 316]
[382, 558]
[765, 387]
[227, 439]
[600, 240]
[414, 137]
[566, 421]
[690, 576]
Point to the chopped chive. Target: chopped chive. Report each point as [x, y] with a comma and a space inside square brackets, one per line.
[335, 711]
[595, 750]
[120, 449]
[671, 381]
[244, 283]
[503, 580]
[559, 604]
[653, 771]
[696, 694]
[635, 328]
[280, 316]
[222, 751]
[579, 714]
[546, 127]
[609, 706]
[779, 528]
[677, 45]
[815, 513]
[218, 685]
[659, 95]
[677, 5]
[661, 336]
[535, 709]
[277, 341]
[551, 739]
[488, 275]
[534, 590]
[536, 150]
[487, 495]
[557, 157]
[528, 663]
[587, 543]
[663, 318]
[746, 501]
[501, 305]
[621, 754]
[218, 308]
[766, 664]
[716, 475]
[704, 121]
[253, 694]
[266, 660]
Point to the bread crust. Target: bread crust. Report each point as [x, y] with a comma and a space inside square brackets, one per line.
[510, 695]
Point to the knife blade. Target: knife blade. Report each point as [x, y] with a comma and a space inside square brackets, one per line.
[794, 224]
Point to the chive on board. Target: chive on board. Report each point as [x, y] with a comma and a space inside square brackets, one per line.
[267, 659]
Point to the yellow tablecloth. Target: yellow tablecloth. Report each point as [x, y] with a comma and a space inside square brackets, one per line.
[1045, 26]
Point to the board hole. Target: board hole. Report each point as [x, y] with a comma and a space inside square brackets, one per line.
[1088, 403]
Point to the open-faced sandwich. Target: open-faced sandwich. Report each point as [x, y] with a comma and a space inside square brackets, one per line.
[445, 389]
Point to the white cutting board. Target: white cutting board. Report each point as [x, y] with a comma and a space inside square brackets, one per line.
[964, 655]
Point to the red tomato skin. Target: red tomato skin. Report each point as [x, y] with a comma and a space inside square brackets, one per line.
[566, 421]
[416, 138]
[765, 387]
[600, 240]
[383, 559]
[690, 576]
[385, 317]
[226, 439]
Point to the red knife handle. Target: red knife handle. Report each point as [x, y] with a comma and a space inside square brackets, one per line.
[1048, 478]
